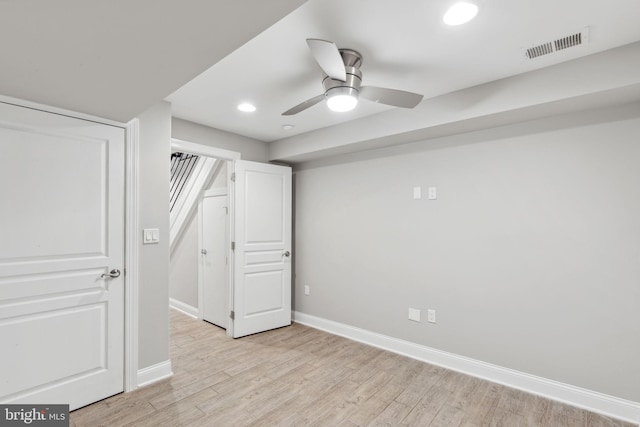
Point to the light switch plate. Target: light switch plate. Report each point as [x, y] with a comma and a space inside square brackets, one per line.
[417, 193]
[431, 316]
[414, 314]
[150, 236]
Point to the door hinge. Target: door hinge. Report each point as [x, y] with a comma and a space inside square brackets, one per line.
[233, 177]
[232, 315]
[233, 246]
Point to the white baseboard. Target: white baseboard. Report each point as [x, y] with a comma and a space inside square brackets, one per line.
[154, 373]
[187, 309]
[575, 396]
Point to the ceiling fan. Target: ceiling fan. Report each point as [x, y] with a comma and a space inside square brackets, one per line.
[342, 81]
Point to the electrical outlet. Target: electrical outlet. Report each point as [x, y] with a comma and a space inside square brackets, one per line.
[414, 314]
[432, 193]
[431, 316]
[307, 290]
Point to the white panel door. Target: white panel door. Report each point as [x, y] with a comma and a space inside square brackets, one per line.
[215, 281]
[61, 229]
[262, 264]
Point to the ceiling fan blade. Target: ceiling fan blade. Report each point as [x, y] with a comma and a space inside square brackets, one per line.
[304, 105]
[328, 57]
[397, 98]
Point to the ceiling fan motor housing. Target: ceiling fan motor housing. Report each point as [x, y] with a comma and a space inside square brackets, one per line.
[352, 83]
[352, 61]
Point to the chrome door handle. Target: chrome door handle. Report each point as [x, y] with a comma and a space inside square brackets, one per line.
[286, 254]
[203, 251]
[112, 274]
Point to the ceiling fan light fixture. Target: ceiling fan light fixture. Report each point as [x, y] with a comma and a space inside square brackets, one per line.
[460, 13]
[342, 99]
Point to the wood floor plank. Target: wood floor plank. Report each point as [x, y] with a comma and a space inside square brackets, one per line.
[427, 408]
[299, 376]
[181, 413]
[373, 407]
[480, 410]
[448, 416]
[166, 399]
[391, 415]
[503, 418]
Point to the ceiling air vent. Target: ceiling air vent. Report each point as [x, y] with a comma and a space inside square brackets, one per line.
[543, 49]
[576, 39]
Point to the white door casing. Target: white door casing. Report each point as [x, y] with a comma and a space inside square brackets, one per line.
[213, 257]
[262, 264]
[61, 228]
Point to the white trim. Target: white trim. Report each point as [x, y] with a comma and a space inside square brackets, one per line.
[154, 373]
[60, 111]
[200, 262]
[203, 150]
[132, 237]
[593, 401]
[231, 237]
[182, 307]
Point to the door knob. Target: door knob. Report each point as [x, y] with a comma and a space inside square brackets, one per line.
[286, 254]
[203, 251]
[112, 274]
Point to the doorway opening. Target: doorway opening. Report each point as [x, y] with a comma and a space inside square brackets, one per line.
[240, 247]
[200, 231]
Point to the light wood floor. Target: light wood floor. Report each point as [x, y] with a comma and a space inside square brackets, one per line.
[299, 376]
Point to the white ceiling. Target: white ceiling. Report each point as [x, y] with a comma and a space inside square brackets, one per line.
[115, 58]
[405, 46]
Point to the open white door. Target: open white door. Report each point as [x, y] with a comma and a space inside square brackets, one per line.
[61, 234]
[262, 257]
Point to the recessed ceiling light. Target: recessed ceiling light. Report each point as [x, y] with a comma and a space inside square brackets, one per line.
[287, 127]
[460, 13]
[247, 108]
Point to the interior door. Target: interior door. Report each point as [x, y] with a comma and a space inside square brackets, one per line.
[61, 232]
[262, 264]
[213, 255]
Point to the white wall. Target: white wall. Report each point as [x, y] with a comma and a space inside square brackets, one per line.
[220, 180]
[250, 149]
[183, 271]
[154, 155]
[530, 254]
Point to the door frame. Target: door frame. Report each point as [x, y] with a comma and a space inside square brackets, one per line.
[231, 157]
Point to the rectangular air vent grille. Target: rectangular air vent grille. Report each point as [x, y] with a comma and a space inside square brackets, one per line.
[543, 49]
[576, 39]
[569, 41]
